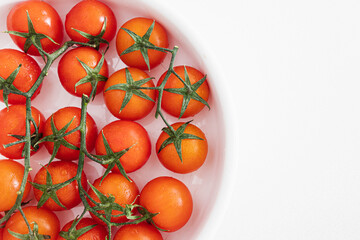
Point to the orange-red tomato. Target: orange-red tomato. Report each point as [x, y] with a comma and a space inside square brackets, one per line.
[71, 71]
[46, 220]
[193, 151]
[141, 231]
[29, 72]
[117, 185]
[60, 172]
[171, 199]
[61, 118]
[98, 232]
[172, 102]
[137, 107]
[11, 175]
[140, 26]
[89, 16]
[123, 134]
[13, 123]
[45, 20]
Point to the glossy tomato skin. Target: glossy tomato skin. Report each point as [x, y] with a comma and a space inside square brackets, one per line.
[172, 102]
[13, 123]
[141, 231]
[88, 16]
[60, 172]
[47, 221]
[125, 192]
[62, 117]
[11, 175]
[194, 151]
[137, 107]
[140, 26]
[70, 70]
[122, 134]
[29, 72]
[171, 199]
[98, 232]
[45, 20]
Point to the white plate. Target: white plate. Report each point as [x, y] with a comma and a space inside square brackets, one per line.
[211, 184]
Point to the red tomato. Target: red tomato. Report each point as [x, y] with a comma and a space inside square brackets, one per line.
[11, 175]
[140, 26]
[172, 102]
[123, 134]
[89, 16]
[61, 118]
[71, 71]
[60, 172]
[98, 232]
[193, 151]
[13, 123]
[29, 72]
[117, 185]
[171, 199]
[141, 231]
[46, 220]
[137, 107]
[45, 20]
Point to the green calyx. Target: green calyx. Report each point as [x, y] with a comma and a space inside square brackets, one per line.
[7, 85]
[32, 235]
[176, 137]
[148, 217]
[73, 233]
[95, 40]
[32, 37]
[49, 189]
[131, 88]
[142, 44]
[93, 76]
[34, 138]
[107, 204]
[58, 138]
[188, 91]
[112, 158]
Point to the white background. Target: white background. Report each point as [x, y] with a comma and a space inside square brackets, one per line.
[294, 68]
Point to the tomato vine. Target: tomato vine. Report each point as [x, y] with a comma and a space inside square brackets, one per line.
[107, 203]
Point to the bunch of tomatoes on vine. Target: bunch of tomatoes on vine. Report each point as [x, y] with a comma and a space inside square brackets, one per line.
[70, 135]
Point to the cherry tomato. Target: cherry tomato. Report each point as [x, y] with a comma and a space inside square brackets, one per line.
[71, 71]
[46, 220]
[123, 134]
[61, 118]
[11, 175]
[171, 199]
[141, 231]
[140, 26]
[98, 232]
[117, 185]
[29, 72]
[60, 172]
[45, 20]
[138, 107]
[193, 151]
[88, 16]
[13, 123]
[172, 102]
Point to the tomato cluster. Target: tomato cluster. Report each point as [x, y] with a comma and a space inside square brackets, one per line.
[71, 136]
